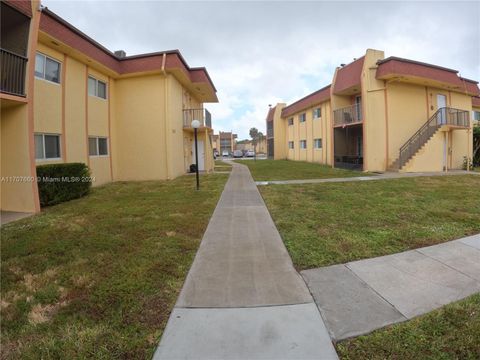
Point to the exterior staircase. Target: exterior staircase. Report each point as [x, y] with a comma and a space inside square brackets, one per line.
[442, 117]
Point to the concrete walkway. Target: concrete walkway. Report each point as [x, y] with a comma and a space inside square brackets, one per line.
[242, 298]
[361, 296]
[384, 176]
[11, 216]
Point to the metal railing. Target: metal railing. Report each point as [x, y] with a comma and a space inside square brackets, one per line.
[13, 71]
[443, 116]
[202, 115]
[348, 115]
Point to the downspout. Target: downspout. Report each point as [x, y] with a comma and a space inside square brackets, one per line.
[166, 127]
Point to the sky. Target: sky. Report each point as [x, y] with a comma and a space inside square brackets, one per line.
[264, 52]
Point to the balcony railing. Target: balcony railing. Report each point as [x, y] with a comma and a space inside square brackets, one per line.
[202, 115]
[13, 71]
[347, 115]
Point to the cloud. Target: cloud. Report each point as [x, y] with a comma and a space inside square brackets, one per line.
[260, 53]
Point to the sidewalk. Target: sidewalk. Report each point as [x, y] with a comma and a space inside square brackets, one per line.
[242, 298]
[384, 176]
[359, 297]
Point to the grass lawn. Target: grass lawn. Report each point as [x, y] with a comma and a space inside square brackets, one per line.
[451, 332]
[97, 277]
[325, 224]
[222, 166]
[263, 170]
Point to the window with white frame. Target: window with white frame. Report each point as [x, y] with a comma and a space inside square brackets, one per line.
[47, 68]
[318, 143]
[97, 88]
[476, 115]
[302, 117]
[317, 113]
[290, 145]
[47, 146]
[303, 144]
[97, 146]
[290, 121]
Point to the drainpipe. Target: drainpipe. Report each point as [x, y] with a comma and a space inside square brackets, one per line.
[166, 128]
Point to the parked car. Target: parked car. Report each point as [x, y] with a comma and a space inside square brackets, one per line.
[238, 154]
[215, 153]
[250, 153]
[225, 153]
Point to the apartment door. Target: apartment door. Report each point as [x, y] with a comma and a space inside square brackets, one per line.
[441, 105]
[358, 108]
[201, 155]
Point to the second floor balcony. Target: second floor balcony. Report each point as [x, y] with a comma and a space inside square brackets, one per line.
[348, 115]
[202, 115]
[13, 71]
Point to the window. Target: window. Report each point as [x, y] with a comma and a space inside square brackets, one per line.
[317, 113]
[476, 115]
[290, 121]
[303, 144]
[290, 145]
[97, 88]
[47, 146]
[318, 143]
[47, 68]
[97, 146]
[302, 117]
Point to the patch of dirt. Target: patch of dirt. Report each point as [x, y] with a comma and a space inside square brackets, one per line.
[4, 304]
[171, 233]
[42, 313]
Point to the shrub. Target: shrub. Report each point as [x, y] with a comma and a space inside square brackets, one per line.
[62, 182]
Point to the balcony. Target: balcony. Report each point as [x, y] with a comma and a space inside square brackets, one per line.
[13, 71]
[348, 115]
[202, 115]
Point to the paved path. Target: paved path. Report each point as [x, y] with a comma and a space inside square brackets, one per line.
[11, 216]
[242, 298]
[384, 176]
[361, 296]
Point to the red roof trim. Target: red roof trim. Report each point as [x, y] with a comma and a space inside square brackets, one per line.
[271, 113]
[60, 29]
[399, 66]
[310, 100]
[349, 75]
[416, 63]
[23, 6]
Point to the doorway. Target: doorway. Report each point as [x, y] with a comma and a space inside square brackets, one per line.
[201, 155]
[442, 105]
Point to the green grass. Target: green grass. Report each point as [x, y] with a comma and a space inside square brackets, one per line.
[264, 170]
[325, 224]
[97, 277]
[451, 332]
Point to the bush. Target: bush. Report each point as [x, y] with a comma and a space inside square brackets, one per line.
[62, 182]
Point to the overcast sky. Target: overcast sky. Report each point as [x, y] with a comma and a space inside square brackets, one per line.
[260, 53]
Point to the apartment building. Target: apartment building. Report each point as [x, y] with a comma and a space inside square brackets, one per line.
[226, 141]
[379, 114]
[247, 145]
[66, 98]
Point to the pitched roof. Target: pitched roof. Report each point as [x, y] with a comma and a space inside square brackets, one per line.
[349, 75]
[310, 100]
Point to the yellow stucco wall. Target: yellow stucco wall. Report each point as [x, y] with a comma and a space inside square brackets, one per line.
[311, 129]
[430, 157]
[48, 99]
[75, 111]
[16, 182]
[373, 112]
[139, 153]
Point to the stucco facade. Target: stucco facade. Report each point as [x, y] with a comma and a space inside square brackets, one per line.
[380, 114]
[127, 118]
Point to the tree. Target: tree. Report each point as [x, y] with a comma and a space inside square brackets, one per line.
[476, 145]
[254, 135]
